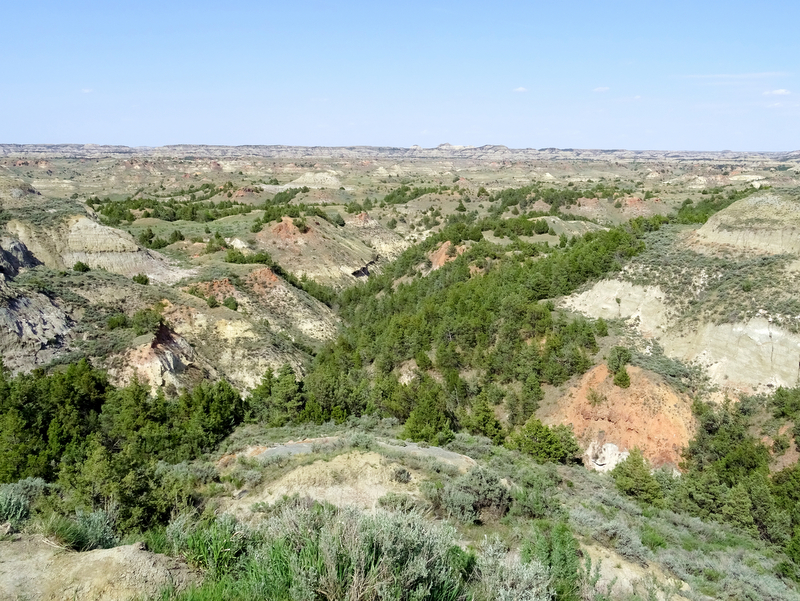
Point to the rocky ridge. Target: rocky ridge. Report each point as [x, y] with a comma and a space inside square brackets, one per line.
[483, 153]
[765, 222]
[82, 239]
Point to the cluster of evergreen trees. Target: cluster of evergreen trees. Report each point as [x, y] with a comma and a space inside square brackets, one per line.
[197, 207]
[555, 197]
[103, 445]
[691, 212]
[726, 477]
[453, 321]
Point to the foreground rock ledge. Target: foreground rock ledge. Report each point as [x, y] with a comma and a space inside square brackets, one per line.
[34, 570]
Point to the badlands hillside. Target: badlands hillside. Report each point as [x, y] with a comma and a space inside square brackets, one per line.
[552, 374]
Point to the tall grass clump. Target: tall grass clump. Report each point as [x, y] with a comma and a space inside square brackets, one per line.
[16, 499]
[319, 552]
[216, 546]
[84, 532]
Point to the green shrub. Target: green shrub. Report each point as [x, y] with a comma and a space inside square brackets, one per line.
[215, 244]
[423, 361]
[320, 553]
[117, 320]
[155, 540]
[618, 535]
[178, 531]
[301, 224]
[545, 444]
[80, 267]
[652, 538]
[231, 303]
[212, 302]
[401, 503]
[142, 279]
[535, 495]
[684, 378]
[429, 420]
[737, 509]
[148, 239]
[601, 327]
[618, 357]
[362, 440]
[236, 256]
[484, 422]
[633, 478]
[14, 506]
[146, 321]
[621, 378]
[474, 496]
[279, 398]
[555, 548]
[401, 475]
[507, 580]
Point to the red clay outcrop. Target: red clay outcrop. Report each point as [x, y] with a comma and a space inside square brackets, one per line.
[439, 257]
[649, 414]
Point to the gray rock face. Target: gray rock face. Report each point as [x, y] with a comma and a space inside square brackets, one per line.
[14, 255]
[751, 355]
[99, 246]
[32, 328]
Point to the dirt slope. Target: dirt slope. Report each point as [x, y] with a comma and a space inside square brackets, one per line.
[765, 222]
[328, 253]
[615, 299]
[648, 414]
[79, 238]
[356, 479]
[235, 345]
[32, 570]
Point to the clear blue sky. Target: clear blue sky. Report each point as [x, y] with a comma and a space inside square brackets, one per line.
[682, 75]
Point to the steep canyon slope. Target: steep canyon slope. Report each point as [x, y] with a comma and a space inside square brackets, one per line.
[723, 295]
[349, 213]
